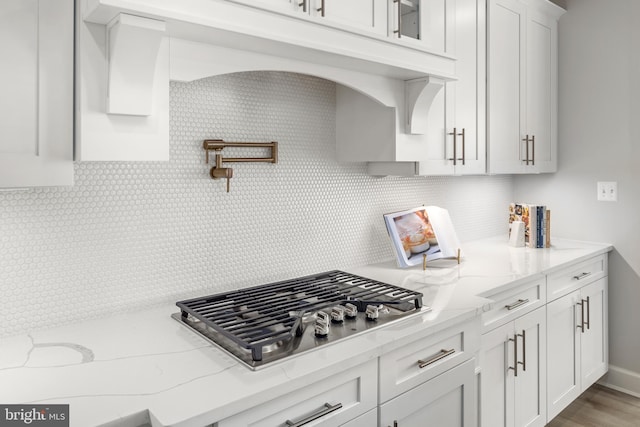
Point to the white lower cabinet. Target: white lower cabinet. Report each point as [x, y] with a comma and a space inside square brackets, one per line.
[330, 402]
[431, 379]
[513, 368]
[446, 400]
[577, 349]
[552, 332]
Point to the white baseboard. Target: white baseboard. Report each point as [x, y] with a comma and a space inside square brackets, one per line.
[622, 380]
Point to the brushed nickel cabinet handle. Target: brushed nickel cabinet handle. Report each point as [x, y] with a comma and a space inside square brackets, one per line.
[581, 325]
[581, 276]
[304, 5]
[526, 149]
[588, 301]
[326, 409]
[516, 304]
[524, 350]
[463, 144]
[533, 150]
[455, 146]
[441, 355]
[515, 355]
[399, 30]
[321, 9]
[455, 157]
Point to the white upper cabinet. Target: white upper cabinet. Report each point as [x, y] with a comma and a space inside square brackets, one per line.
[36, 82]
[363, 15]
[454, 133]
[456, 122]
[426, 24]
[422, 24]
[522, 94]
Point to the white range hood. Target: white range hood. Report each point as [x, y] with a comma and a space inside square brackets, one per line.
[384, 89]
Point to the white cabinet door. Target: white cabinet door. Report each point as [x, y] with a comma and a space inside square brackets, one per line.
[594, 346]
[512, 378]
[370, 16]
[506, 21]
[523, 88]
[577, 350]
[563, 353]
[36, 82]
[446, 400]
[496, 380]
[363, 15]
[468, 100]
[542, 91]
[530, 384]
[426, 24]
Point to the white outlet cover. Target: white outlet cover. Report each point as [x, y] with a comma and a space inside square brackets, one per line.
[607, 191]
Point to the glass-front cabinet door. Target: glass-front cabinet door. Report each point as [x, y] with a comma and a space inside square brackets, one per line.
[423, 23]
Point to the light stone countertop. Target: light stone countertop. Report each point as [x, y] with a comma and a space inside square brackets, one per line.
[126, 369]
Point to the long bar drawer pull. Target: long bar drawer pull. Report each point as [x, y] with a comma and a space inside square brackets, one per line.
[516, 304]
[441, 355]
[326, 409]
[581, 276]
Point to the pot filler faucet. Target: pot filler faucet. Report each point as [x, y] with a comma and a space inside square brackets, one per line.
[217, 145]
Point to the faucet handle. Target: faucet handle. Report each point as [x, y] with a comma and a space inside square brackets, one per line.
[218, 172]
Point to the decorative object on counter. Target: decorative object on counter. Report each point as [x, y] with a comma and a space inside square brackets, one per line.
[516, 234]
[537, 224]
[422, 234]
[217, 145]
[265, 323]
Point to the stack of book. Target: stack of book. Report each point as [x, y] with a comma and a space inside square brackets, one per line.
[537, 223]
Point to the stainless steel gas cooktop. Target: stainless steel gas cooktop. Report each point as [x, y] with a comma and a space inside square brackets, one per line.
[266, 323]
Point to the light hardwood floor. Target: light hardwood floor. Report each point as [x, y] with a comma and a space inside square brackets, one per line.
[600, 407]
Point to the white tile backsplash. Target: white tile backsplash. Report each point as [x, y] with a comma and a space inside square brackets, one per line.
[131, 235]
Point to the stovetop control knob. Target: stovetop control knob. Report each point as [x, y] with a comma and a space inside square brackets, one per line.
[322, 324]
[350, 310]
[372, 312]
[337, 314]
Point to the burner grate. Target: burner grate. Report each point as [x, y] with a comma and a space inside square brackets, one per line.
[264, 315]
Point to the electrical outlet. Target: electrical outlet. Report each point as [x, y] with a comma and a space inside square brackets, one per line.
[608, 191]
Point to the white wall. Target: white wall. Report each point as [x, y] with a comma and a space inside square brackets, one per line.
[131, 235]
[599, 139]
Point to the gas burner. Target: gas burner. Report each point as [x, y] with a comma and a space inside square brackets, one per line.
[270, 322]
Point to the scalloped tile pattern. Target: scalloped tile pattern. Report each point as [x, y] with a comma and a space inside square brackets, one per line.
[134, 235]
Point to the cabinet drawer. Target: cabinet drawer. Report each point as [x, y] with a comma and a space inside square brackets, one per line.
[423, 359]
[576, 276]
[513, 303]
[330, 402]
[447, 400]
